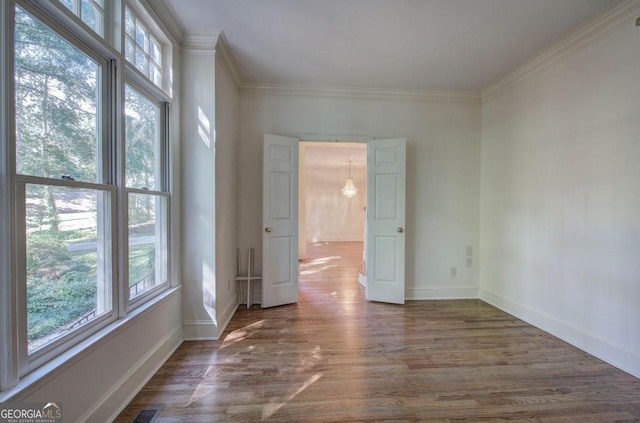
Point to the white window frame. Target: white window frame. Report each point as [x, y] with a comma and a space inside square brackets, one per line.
[77, 12]
[28, 362]
[15, 363]
[150, 92]
[141, 14]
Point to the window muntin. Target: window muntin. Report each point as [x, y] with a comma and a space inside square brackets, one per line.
[57, 110]
[67, 290]
[147, 242]
[91, 12]
[67, 271]
[142, 48]
[24, 188]
[143, 141]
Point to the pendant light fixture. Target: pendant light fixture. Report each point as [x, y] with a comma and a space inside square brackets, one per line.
[349, 189]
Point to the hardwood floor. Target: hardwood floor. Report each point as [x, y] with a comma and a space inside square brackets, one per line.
[333, 357]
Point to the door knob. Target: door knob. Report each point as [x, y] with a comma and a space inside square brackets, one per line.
[267, 229]
[400, 229]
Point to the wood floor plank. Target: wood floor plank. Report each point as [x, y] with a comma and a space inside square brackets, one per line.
[334, 357]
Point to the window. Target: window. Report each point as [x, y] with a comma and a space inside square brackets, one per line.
[145, 150]
[85, 175]
[142, 48]
[65, 219]
[91, 12]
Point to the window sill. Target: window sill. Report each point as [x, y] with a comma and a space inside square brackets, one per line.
[62, 362]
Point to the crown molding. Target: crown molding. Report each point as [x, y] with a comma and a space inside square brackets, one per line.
[611, 19]
[217, 45]
[199, 42]
[169, 17]
[227, 59]
[257, 89]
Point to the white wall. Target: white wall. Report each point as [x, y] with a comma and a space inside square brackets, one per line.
[443, 146]
[329, 215]
[560, 198]
[210, 119]
[198, 194]
[227, 125]
[103, 378]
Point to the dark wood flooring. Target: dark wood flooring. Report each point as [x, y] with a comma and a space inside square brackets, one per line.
[334, 357]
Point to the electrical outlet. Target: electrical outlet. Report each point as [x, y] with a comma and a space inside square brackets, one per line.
[228, 284]
[454, 271]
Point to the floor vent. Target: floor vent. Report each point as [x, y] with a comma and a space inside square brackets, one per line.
[148, 415]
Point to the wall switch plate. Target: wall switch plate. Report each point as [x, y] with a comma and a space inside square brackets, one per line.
[469, 262]
[454, 271]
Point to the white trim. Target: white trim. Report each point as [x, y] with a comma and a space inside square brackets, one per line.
[442, 293]
[200, 330]
[191, 43]
[611, 19]
[207, 330]
[134, 380]
[615, 355]
[227, 315]
[259, 89]
[8, 305]
[62, 363]
[227, 59]
[168, 16]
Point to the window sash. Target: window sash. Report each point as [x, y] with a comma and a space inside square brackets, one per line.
[107, 50]
[161, 247]
[29, 361]
[141, 54]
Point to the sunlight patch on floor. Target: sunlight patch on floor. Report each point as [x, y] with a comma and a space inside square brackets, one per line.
[241, 334]
[271, 409]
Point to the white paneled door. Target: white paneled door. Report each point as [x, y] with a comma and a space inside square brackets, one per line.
[280, 221]
[386, 191]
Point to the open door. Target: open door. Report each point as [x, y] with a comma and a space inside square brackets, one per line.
[386, 190]
[280, 221]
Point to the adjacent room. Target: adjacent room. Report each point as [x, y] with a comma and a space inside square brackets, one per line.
[441, 198]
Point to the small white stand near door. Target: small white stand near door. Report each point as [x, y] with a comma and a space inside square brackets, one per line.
[249, 277]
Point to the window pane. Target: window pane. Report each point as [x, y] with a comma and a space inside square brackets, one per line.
[56, 104]
[129, 23]
[156, 76]
[90, 16]
[142, 36]
[147, 242]
[142, 119]
[142, 62]
[129, 49]
[68, 281]
[155, 52]
[69, 4]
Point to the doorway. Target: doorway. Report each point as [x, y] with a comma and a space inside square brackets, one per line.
[332, 218]
[385, 236]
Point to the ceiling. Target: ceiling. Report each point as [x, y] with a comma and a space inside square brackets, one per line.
[460, 45]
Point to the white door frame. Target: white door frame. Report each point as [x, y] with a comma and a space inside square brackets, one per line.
[337, 139]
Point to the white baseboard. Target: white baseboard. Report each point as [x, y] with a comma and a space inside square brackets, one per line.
[616, 356]
[200, 330]
[131, 383]
[457, 293]
[227, 315]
